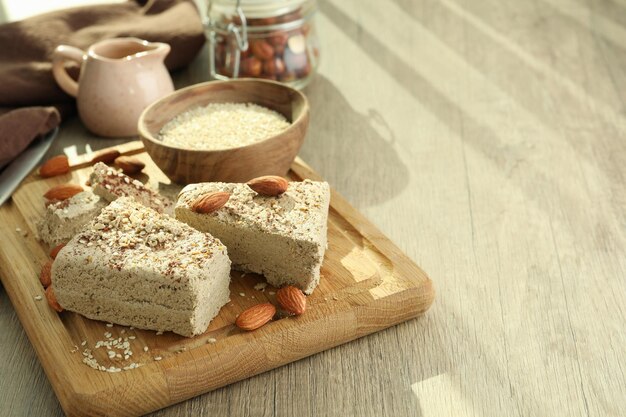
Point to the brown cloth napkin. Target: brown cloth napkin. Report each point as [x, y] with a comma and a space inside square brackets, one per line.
[26, 52]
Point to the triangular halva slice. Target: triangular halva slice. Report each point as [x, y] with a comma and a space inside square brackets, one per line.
[282, 237]
[111, 184]
[136, 267]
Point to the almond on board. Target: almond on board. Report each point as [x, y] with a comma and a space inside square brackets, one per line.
[129, 165]
[63, 191]
[55, 251]
[57, 165]
[52, 300]
[106, 157]
[45, 277]
[291, 299]
[255, 316]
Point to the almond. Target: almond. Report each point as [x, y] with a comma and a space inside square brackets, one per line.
[256, 316]
[50, 202]
[55, 251]
[54, 166]
[106, 156]
[46, 274]
[291, 299]
[63, 191]
[269, 185]
[129, 165]
[211, 202]
[52, 300]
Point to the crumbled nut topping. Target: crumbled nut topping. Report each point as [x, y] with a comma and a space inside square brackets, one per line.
[121, 185]
[129, 235]
[293, 213]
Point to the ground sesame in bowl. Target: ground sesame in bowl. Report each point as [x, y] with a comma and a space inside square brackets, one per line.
[222, 126]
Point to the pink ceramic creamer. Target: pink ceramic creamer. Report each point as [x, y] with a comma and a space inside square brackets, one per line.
[119, 78]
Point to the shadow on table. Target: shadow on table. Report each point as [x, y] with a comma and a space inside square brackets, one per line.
[355, 152]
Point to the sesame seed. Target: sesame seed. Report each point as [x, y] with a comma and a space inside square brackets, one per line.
[109, 325]
[243, 294]
[83, 343]
[159, 333]
[38, 297]
[212, 340]
[145, 348]
[223, 125]
[157, 358]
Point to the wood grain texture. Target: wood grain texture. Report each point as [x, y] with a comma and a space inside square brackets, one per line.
[271, 156]
[367, 285]
[494, 136]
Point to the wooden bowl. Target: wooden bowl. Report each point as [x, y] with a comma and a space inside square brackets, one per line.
[271, 156]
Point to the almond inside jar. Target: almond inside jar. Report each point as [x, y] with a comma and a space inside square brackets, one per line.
[282, 41]
[222, 126]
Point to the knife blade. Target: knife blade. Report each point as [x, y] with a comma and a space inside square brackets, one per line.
[16, 171]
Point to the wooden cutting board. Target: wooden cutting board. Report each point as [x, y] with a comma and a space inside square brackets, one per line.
[367, 284]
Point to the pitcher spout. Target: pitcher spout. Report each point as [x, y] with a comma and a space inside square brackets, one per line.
[127, 49]
[158, 50]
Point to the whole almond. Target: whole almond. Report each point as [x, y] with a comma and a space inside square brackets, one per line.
[55, 251]
[52, 300]
[262, 50]
[256, 316]
[252, 66]
[106, 157]
[63, 191]
[269, 185]
[291, 299]
[54, 166]
[45, 277]
[129, 164]
[274, 66]
[50, 202]
[208, 203]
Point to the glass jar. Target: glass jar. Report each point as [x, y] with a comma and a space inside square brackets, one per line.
[272, 39]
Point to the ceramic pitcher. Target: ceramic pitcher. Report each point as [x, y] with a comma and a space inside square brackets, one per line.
[118, 79]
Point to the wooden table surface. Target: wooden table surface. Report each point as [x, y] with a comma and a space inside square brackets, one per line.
[488, 140]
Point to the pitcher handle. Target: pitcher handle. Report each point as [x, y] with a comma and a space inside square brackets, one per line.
[61, 54]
